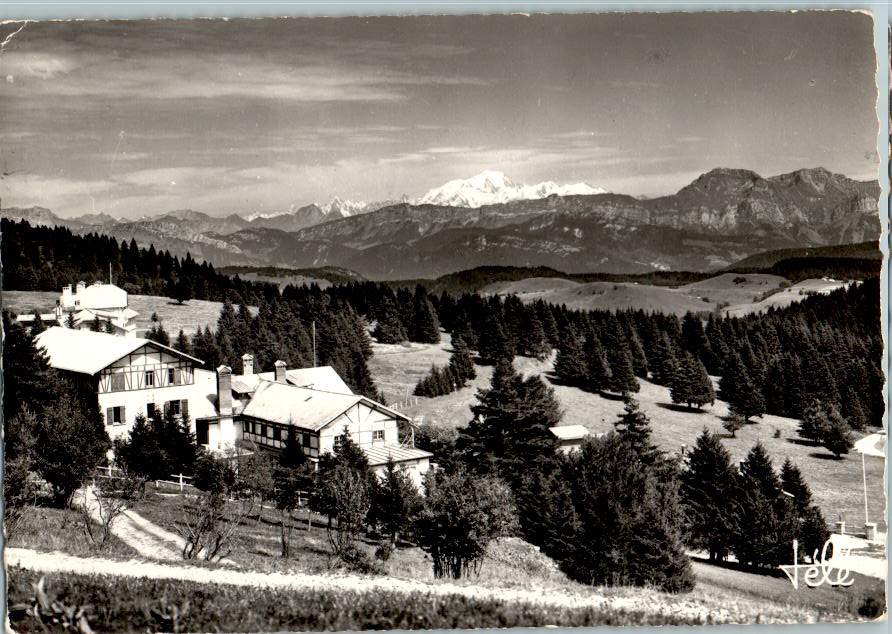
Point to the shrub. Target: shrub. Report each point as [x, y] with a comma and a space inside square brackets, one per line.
[462, 515]
[384, 550]
[357, 560]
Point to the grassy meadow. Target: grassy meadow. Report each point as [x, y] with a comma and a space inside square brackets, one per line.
[837, 485]
[189, 316]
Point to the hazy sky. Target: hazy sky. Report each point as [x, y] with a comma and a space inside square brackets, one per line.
[135, 118]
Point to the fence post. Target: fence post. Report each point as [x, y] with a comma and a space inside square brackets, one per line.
[181, 483]
[110, 472]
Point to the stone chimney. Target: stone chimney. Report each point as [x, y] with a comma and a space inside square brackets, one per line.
[224, 390]
[280, 372]
[247, 364]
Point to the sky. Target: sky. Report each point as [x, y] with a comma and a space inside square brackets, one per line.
[259, 116]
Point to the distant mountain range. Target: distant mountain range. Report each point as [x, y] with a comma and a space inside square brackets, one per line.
[493, 188]
[721, 217]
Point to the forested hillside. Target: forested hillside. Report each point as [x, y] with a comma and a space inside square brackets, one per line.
[48, 258]
[825, 348]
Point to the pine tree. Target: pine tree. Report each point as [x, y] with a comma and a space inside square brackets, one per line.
[691, 384]
[633, 428]
[569, 365]
[389, 328]
[37, 326]
[461, 362]
[597, 374]
[182, 343]
[837, 438]
[709, 495]
[511, 425]
[424, 326]
[622, 378]
[494, 345]
[739, 390]
[766, 535]
[662, 363]
[627, 519]
[396, 503]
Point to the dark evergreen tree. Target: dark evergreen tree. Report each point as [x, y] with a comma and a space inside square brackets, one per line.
[389, 328]
[627, 518]
[662, 362]
[461, 363]
[691, 384]
[597, 374]
[510, 429]
[622, 377]
[424, 326]
[709, 493]
[182, 343]
[767, 533]
[570, 365]
[396, 503]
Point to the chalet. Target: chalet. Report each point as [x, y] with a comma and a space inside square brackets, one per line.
[130, 375]
[105, 303]
[569, 437]
[315, 405]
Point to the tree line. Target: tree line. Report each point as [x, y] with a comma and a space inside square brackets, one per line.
[48, 258]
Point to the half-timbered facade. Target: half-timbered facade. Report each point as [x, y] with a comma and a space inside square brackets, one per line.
[131, 376]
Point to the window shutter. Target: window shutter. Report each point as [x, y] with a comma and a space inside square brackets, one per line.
[184, 408]
[123, 415]
[109, 416]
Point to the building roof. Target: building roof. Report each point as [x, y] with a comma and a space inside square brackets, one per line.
[569, 432]
[378, 454]
[302, 407]
[324, 379]
[88, 352]
[101, 295]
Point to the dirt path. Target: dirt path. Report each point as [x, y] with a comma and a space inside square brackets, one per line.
[650, 602]
[149, 540]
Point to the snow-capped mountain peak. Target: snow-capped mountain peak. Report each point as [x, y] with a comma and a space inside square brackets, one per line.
[492, 187]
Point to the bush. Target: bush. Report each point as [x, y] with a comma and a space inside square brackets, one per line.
[462, 515]
[357, 560]
[384, 551]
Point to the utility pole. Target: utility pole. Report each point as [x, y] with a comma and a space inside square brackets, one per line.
[314, 343]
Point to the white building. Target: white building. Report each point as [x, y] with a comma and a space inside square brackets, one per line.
[99, 301]
[130, 375]
[569, 437]
[105, 303]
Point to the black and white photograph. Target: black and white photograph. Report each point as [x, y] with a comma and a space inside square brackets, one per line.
[443, 321]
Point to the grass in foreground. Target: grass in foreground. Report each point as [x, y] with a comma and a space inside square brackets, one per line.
[138, 605]
[47, 529]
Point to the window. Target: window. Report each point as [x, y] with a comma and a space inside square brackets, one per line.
[117, 382]
[150, 410]
[277, 433]
[115, 416]
[314, 442]
[305, 439]
[171, 376]
[339, 440]
[177, 408]
[263, 430]
[150, 378]
[378, 434]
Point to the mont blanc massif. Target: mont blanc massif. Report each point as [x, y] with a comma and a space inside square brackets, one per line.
[723, 216]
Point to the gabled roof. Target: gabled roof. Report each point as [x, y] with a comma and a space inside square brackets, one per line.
[88, 352]
[302, 407]
[569, 432]
[378, 454]
[324, 379]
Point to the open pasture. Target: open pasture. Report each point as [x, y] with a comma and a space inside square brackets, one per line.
[837, 485]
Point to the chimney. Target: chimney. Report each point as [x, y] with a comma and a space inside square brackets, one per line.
[81, 286]
[247, 364]
[224, 390]
[280, 371]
